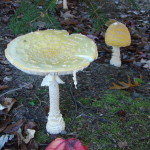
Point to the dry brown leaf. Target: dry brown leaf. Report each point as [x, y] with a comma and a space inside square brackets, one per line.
[30, 125]
[14, 127]
[4, 123]
[8, 103]
[67, 15]
[122, 85]
[33, 145]
[3, 87]
[69, 22]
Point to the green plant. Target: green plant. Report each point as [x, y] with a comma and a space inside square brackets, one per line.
[133, 3]
[33, 102]
[139, 80]
[114, 101]
[85, 101]
[41, 137]
[97, 14]
[28, 17]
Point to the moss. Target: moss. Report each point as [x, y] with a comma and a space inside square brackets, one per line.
[33, 102]
[41, 137]
[104, 132]
[43, 90]
[114, 101]
[85, 101]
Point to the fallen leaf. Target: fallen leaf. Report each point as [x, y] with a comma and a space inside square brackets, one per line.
[30, 125]
[122, 85]
[121, 113]
[33, 145]
[146, 63]
[123, 144]
[62, 144]
[69, 22]
[4, 139]
[20, 16]
[23, 146]
[3, 87]
[19, 141]
[4, 123]
[67, 15]
[2, 107]
[30, 135]
[7, 79]
[14, 127]
[8, 103]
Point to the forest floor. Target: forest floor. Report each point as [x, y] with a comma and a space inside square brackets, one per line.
[101, 117]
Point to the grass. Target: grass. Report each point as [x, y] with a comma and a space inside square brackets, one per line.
[134, 4]
[117, 117]
[29, 17]
[43, 90]
[33, 102]
[97, 13]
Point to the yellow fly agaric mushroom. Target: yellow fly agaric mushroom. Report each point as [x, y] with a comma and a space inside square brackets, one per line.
[52, 53]
[117, 35]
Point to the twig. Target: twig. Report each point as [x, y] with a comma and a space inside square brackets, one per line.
[15, 89]
[73, 99]
[77, 103]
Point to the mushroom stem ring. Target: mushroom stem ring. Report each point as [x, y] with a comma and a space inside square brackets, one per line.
[55, 123]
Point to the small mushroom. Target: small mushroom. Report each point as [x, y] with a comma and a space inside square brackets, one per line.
[52, 53]
[65, 5]
[117, 35]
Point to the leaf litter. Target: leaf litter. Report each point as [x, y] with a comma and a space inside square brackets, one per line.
[123, 85]
[4, 139]
[29, 135]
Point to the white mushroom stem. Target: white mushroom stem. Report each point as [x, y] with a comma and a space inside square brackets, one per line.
[55, 122]
[65, 6]
[115, 59]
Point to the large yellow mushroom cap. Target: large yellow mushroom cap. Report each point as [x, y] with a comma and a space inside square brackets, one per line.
[118, 35]
[50, 52]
